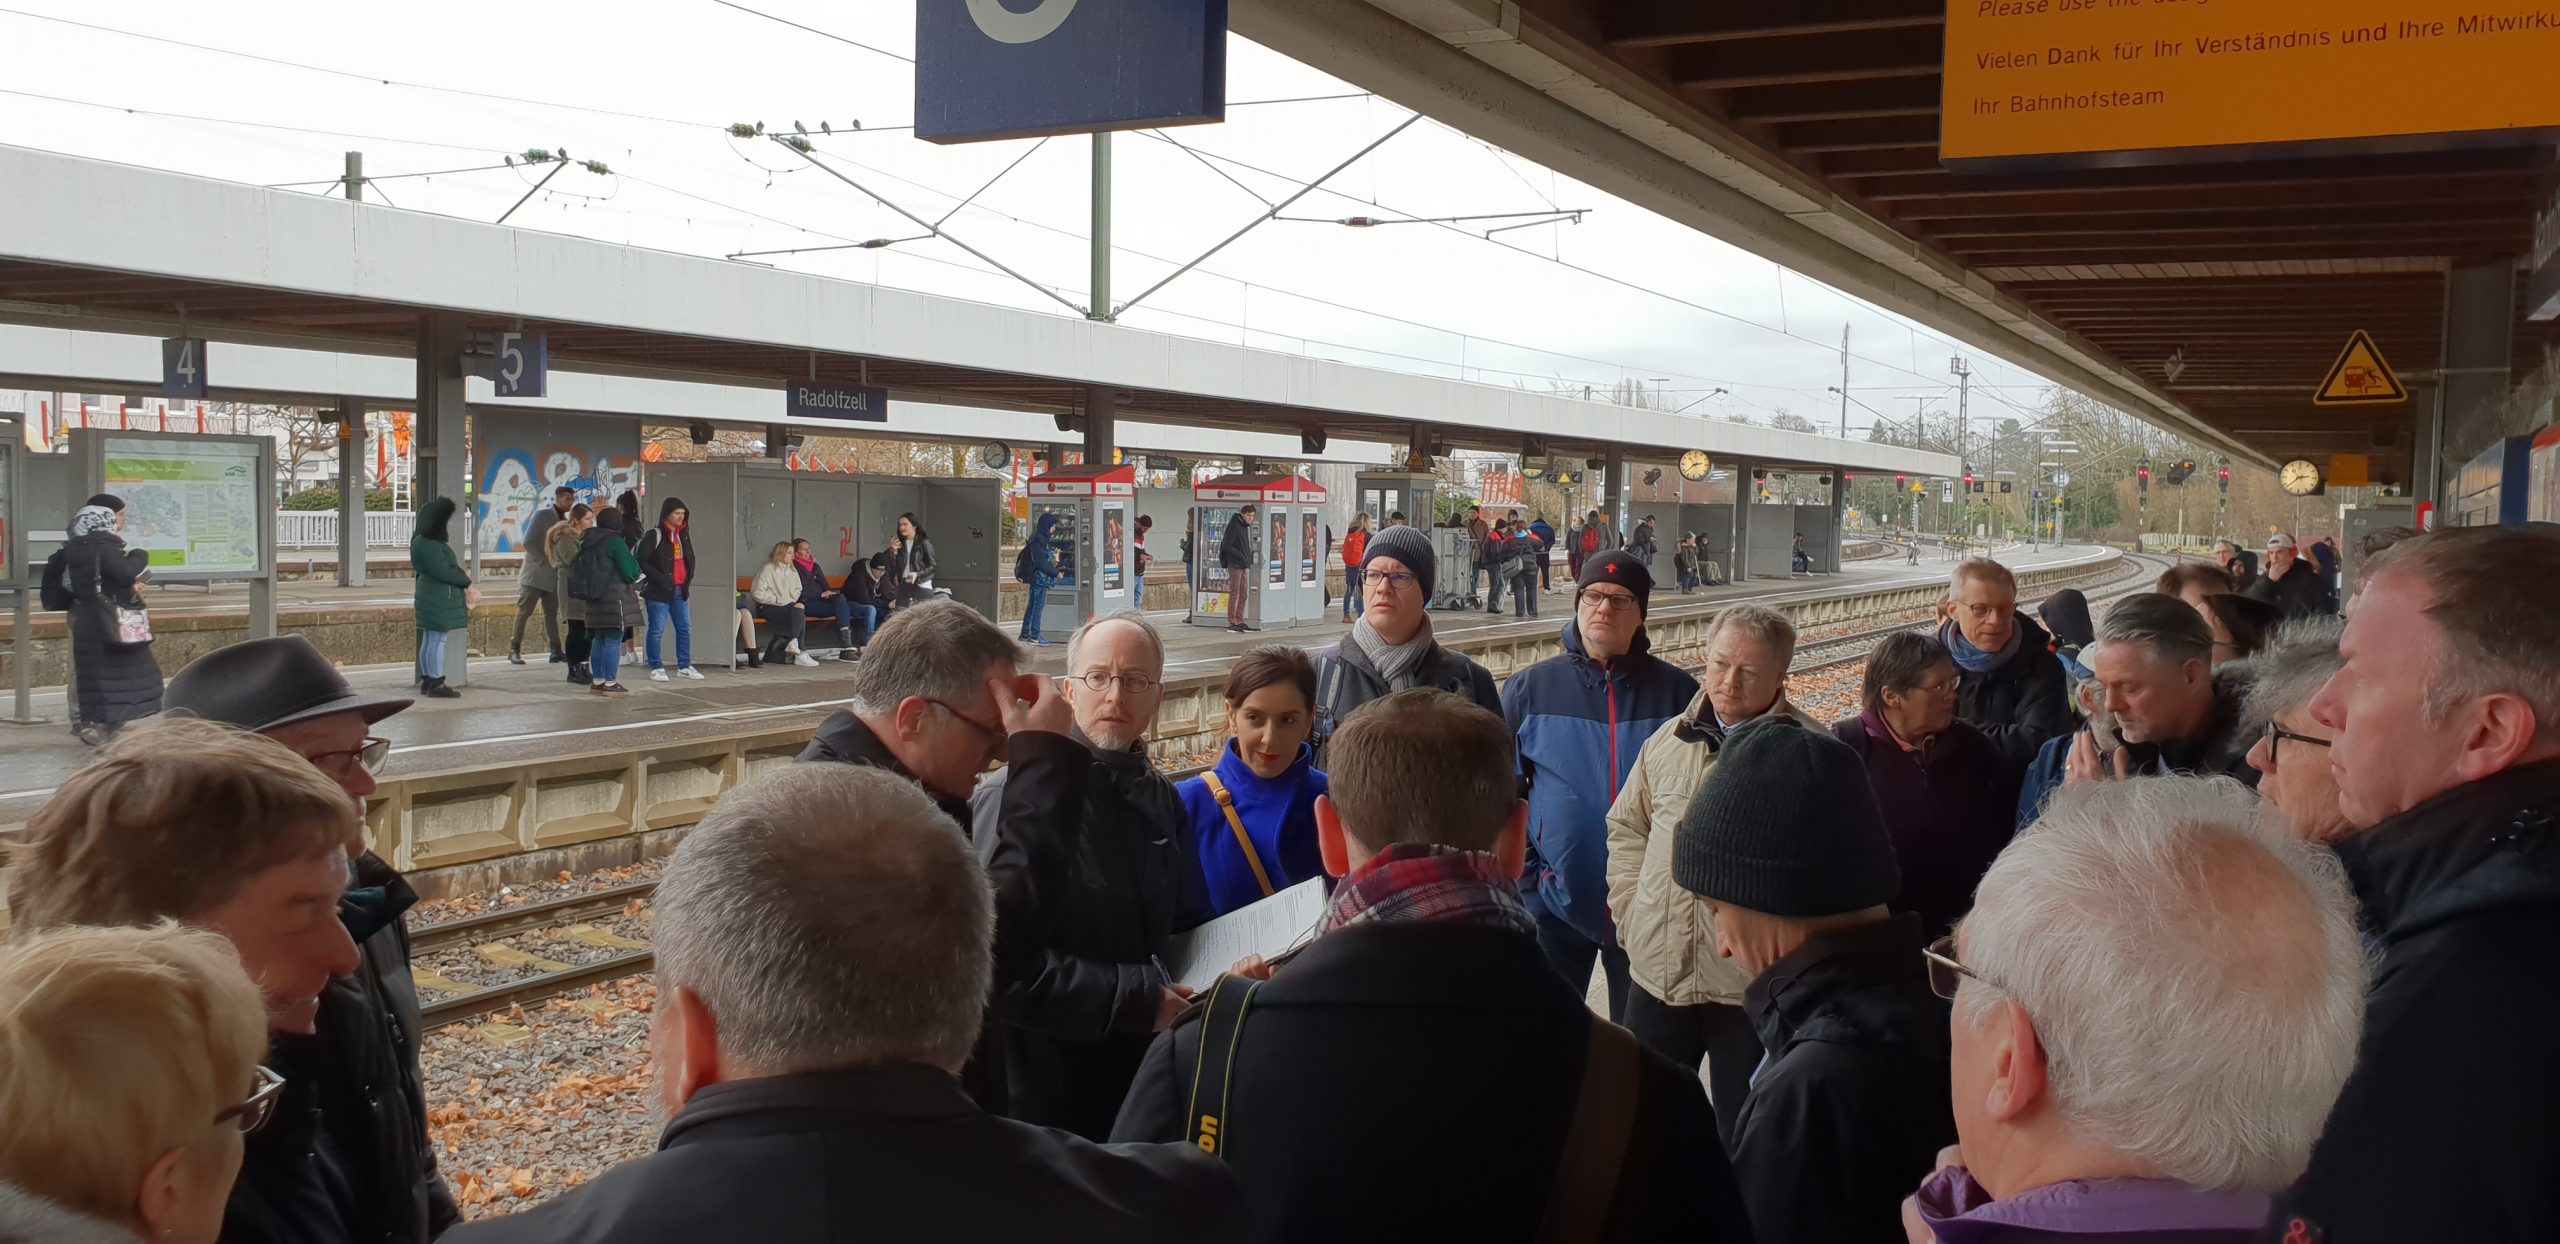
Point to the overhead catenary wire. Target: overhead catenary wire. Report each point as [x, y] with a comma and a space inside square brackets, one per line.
[262, 125]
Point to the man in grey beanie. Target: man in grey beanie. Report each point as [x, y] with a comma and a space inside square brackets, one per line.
[1848, 1111]
[1390, 648]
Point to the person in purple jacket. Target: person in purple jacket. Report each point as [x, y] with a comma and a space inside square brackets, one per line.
[2156, 1000]
[1253, 815]
[1950, 798]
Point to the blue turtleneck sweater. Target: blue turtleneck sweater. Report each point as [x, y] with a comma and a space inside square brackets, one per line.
[1280, 816]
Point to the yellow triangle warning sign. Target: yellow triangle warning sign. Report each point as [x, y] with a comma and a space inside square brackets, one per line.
[2360, 377]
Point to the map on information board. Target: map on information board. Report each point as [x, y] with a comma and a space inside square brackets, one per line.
[192, 504]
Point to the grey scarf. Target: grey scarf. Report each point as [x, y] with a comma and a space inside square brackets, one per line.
[1395, 662]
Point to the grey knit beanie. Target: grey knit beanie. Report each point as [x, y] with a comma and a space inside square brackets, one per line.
[1787, 825]
[1405, 544]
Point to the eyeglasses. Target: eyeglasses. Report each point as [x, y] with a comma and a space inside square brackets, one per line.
[265, 1091]
[1945, 973]
[2277, 734]
[981, 727]
[369, 756]
[1597, 599]
[1131, 684]
[1395, 580]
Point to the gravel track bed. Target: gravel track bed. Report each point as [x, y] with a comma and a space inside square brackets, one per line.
[536, 1102]
[466, 965]
[436, 911]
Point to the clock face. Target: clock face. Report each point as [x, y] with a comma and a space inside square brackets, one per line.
[997, 455]
[2300, 476]
[1695, 464]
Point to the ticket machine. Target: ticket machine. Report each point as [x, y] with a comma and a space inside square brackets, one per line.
[1097, 561]
[1285, 586]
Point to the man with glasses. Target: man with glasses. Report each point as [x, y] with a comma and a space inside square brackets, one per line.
[1581, 717]
[2008, 684]
[1390, 647]
[2156, 1001]
[2292, 751]
[1086, 1000]
[374, 1103]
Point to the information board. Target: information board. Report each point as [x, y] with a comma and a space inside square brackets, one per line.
[2061, 77]
[192, 503]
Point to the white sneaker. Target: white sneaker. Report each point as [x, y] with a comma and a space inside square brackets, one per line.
[805, 661]
[689, 672]
[657, 675]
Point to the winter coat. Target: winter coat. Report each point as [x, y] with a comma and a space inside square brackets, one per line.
[1028, 866]
[605, 563]
[1546, 534]
[2444, 1130]
[2220, 750]
[1671, 950]
[776, 585]
[1848, 1113]
[1235, 545]
[29, 1219]
[441, 581]
[879, 1154]
[1082, 1003]
[1480, 538]
[538, 572]
[2302, 592]
[1279, 815]
[2089, 1211]
[560, 547]
[1414, 1081]
[1581, 724]
[1641, 544]
[2020, 702]
[863, 583]
[1950, 807]
[915, 558]
[813, 588]
[657, 555]
[1345, 680]
[111, 682]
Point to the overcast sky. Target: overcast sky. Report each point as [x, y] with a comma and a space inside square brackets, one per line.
[655, 81]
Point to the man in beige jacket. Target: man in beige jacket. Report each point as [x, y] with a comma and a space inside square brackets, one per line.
[1687, 1002]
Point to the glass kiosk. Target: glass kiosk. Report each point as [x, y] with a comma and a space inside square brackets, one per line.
[1286, 585]
[1097, 564]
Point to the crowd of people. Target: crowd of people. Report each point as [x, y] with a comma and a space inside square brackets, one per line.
[2015, 953]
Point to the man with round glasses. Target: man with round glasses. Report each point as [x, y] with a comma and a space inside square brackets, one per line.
[284, 689]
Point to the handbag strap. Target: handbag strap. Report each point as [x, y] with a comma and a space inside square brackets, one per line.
[1221, 1031]
[1596, 1143]
[1235, 823]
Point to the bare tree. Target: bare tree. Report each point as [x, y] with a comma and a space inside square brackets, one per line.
[1789, 421]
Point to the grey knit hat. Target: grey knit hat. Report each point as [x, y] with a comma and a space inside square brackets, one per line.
[1405, 544]
[1787, 825]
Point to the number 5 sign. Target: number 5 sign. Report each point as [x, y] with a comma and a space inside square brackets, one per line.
[520, 363]
[182, 367]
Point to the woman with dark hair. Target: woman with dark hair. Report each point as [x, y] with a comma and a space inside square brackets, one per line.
[444, 593]
[1253, 815]
[1949, 800]
[560, 547]
[628, 506]
[600, 579]
[910, 562]
[97, 582]
[2241, 625]
[2065, 615]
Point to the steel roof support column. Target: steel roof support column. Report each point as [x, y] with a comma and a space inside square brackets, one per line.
[1741, 532]
[1101, 420]
[1839, 521]
[2479, 328]
[443, 439]
[352, 483]
[1613, 489]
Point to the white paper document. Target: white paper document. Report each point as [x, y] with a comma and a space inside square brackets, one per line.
[1268, 928]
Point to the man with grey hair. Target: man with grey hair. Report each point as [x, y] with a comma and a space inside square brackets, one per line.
[1086, 995]
[824, 946]
[2292, 751]
[2447, 759]
[2008, 685]
[2155, 692]
[2156, 1001]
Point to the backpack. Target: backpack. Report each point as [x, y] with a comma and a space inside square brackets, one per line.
[54, 593]
[1022, 565]
[588, 571]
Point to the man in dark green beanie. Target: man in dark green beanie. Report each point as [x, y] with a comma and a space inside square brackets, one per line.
[1850, 1107]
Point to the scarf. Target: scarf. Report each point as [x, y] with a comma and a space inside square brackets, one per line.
[1974, 660]
[1416, 882]
[92, 518]
[807, 565]
[1395, 663]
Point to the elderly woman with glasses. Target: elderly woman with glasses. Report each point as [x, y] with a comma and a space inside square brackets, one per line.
[2292, 751]
[1948, 795]
[129, 1075]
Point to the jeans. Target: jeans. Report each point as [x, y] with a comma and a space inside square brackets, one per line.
[659, 614]
[1716, 1033]
[431, 654]
[1039, 601]
[1524, 595]
[1493, 594]
[1351, 602]
[1479, 574]
[1572, 953]
[1236, 585]
[526, 599]
[870, 615]
[842, 608]
[604, 645]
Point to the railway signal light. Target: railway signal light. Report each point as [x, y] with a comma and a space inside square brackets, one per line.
[2226, 479]
[2142, 476]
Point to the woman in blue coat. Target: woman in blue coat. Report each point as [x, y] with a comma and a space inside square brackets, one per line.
[1253, 816]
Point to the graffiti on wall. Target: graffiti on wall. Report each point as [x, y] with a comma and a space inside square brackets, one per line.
[515, 484]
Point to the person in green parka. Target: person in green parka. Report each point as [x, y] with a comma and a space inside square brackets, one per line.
[445, 595]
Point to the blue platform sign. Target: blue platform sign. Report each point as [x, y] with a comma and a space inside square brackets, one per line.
[521, 364]
[858, 403]
[182, 367]
[1019, 68]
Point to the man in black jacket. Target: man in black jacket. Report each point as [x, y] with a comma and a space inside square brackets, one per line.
[823, 942]
[1415, 1072]
[1235, 556]
[1847, 1113]
[2291, 583]
[2152, 678]
[2447, 755]
[1082, 1010]
[1390, 647]
[666, 557]
[2008, 684]
[362, 1066]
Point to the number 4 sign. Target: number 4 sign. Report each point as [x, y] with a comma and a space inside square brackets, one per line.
[520, 365]
[182, 367]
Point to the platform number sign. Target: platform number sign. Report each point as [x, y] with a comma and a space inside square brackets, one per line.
[520, 364]
[182, 367]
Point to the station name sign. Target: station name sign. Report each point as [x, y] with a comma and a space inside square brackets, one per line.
[2052, 78]
[856, 403]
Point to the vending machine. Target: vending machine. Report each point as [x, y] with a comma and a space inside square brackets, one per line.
[1285, 584]
[1093, 506]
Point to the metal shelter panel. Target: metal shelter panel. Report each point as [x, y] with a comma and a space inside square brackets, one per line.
[1821, 537]
[960, 515]
[765, 504]
[713, 498]
[1772, 539]
[823, 512]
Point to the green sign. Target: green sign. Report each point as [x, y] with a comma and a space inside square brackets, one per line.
[191, 504]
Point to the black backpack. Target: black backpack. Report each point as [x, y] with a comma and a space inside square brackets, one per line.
[588, 571]
[55, 594]
[1022, 565]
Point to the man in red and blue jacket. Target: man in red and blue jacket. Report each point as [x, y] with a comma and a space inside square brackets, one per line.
[1580, 719]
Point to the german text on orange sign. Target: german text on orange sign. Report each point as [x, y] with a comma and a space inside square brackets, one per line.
[2047, 77]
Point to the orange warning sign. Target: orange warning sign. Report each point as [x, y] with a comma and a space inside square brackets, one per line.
[2359, 377]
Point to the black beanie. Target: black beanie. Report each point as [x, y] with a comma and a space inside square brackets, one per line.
[1409, 546]
[1786, 825]
[107, 499]
[1624, 569]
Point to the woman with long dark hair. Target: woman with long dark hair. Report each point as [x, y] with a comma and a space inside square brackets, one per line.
[911, 562]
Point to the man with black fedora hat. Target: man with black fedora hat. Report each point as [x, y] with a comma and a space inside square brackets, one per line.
[370, 1155]
[1848, 1111]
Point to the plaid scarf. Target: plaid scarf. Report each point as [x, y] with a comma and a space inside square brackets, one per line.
[1410, 881]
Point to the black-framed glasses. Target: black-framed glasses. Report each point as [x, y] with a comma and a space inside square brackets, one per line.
[369, 756]
[980, 726]
[1393, 580]
[1130, 684]
[1594, 598]
[265, 1091]
[2277, 735]
[1945, 972]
